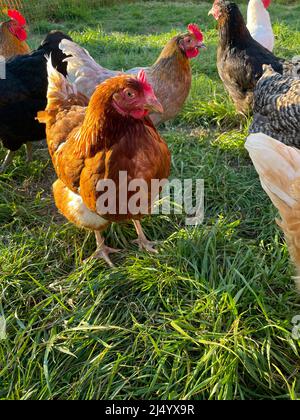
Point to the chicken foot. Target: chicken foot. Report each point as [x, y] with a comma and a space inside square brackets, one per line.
[103, 251]
[142, 240]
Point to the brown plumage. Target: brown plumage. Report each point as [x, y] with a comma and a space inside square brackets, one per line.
[12, 34]
[170, 75]
[278, 167]
[277, 107]
[89, 145]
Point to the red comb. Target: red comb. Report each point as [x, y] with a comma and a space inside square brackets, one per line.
[142, 78]
[195, 30]
[266, 3]
[15, 15]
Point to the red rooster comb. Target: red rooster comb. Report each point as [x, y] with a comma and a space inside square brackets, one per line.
[195, 30]
[266, 3]
[15, 15]
[142, 78]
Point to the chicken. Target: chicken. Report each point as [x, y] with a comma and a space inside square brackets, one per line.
[99, 143]
[13, 35]
[277, 107]
[259, 23]
[24, 92]
[170, 75]
[240, 58]
[278, 167]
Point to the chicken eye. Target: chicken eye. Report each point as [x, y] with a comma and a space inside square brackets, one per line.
[130, 94]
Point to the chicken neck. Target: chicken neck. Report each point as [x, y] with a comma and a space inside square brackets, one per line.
[233, 29]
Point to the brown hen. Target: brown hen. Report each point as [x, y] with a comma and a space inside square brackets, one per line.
[170, 75]
[94, 144]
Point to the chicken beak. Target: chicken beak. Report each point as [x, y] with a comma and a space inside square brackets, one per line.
[202, 46]
[211, 12]
[153, 105]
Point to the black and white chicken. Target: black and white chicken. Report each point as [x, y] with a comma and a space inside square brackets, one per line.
[277, 107]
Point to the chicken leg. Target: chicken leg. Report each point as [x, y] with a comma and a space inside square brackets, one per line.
[7, 161]
[142, 241]
[103, 251]
[29, 148]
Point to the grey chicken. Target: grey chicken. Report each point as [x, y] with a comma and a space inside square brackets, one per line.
[277, 107]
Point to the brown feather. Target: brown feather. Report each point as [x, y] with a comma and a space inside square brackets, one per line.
[91, 144]
[10, 46]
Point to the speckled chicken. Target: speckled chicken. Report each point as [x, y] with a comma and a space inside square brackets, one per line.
[170, 75]
[277, 107]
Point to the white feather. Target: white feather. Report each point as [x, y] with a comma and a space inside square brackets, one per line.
[83, 216]
[59, 87]
[276, 164]
[82, 69]
[278, 167]
[259, 24]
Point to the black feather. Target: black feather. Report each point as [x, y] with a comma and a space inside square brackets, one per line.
[240, 58]
[277, 107]
[23, 92]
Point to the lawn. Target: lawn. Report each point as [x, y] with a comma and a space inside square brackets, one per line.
[210, 317]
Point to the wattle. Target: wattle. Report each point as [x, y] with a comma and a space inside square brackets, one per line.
[192, 53]
[139, 113]
[21, 34]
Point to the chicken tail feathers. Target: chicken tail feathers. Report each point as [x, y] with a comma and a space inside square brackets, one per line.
[61, 95]
[82, 69]
[278, 167]
[60, 89]
[77, 58]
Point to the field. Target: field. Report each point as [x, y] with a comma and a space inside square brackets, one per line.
[211, 316]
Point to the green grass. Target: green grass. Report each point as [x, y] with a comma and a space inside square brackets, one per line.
[210, 317]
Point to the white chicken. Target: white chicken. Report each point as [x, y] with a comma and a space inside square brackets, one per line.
[278, 167]
[259, 23]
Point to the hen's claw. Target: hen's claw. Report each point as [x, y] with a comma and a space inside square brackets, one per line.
[103, 251]
[146, 245]
[103, 254]
[142, 240]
